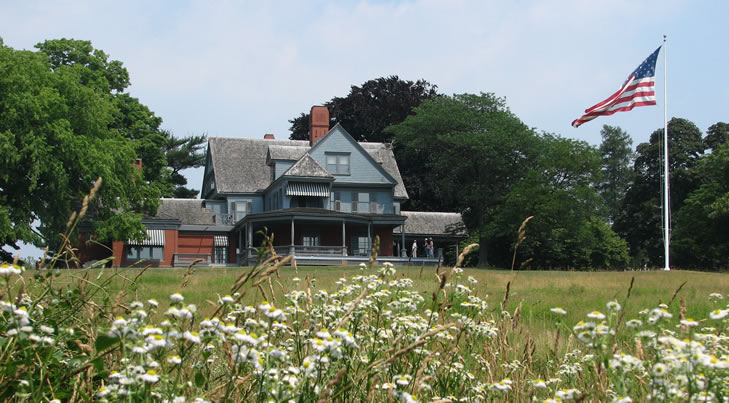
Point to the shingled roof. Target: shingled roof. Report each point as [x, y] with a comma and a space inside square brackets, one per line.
[188, 211]
[308, 167]
[240, 164]
[432, 223]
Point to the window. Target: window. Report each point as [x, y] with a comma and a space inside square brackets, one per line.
[221, 254]
[135, 253]
[360, 246]
[311, 238]
[336, 201]
[241, 209]
[338, 163]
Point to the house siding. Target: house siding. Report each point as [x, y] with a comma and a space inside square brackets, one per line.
[362, 168]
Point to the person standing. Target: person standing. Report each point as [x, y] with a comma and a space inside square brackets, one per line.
[431, 247]
[428, 251]
[414, 249]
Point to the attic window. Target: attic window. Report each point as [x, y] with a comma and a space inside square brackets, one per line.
[338, 163]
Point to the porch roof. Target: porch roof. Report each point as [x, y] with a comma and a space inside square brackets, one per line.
[312, 214]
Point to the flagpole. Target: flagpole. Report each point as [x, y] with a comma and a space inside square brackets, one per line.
[666, 204]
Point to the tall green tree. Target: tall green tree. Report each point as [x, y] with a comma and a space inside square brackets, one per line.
[183, 153]
[366, 111]
[57, 136]
[716, 135]
[616, 152]
[700, 239]
[476, 150]
[163, 156]
[566, 230]
[369, 108]
[640, 220]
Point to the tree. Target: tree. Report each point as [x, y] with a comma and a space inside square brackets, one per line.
[183, 153]
[700, 239]
[640, 220]
[475, 149]
[57, 137]
[368, 109]
[616, 152]
[716, 135]
[566, 230]
[163, 156]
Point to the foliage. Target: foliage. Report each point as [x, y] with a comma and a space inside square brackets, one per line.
[640, 221]
[617, 154]
[566, 231]
[65, 121]
[373, 338]
[57, 138]
[716, 135]
[368, 109]
[701, 238]
[183, 153]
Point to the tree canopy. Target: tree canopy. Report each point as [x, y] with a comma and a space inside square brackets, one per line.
[64, 121]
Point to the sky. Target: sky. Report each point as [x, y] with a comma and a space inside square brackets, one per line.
[245, 68]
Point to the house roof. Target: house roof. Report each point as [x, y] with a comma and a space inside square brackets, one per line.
[308, 167]
[432, 223]
[240, 164]
[289, 153]
[188, 211]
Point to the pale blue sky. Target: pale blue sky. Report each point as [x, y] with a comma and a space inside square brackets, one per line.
[244, 68]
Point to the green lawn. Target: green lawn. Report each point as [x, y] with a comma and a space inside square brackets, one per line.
[535, 292]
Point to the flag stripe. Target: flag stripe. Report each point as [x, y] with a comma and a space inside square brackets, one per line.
[638, 90]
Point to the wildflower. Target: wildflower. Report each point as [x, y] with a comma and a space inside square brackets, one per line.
[177, 297]
[227, 299]
[387, 385]
[567, 394]
[715, 295]
[689, 322]
[634, 323]
[150, 376]
[102, 391]
[174, 360]
[8, 270]
[119, 322]
[719, 314]
[596, 315]
[660, 370]
[46, 329]
[622, 399]
[539, 384]
[403, 380]
[472, 280]
[192, 337]
[153, 302]
[559, 310]
[295, 279]
[136, 305]
[613, 306]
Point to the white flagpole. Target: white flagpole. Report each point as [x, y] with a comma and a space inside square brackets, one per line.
[666, 205]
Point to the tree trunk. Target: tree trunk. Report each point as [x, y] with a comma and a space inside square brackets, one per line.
[483, 252]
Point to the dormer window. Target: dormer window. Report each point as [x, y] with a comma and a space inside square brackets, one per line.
[338, 163]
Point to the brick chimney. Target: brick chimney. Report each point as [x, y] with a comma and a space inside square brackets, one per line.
[269, 136]
[318, 123]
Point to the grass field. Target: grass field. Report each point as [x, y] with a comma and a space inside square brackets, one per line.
[534, 293]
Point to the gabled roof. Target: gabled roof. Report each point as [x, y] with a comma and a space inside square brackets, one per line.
[287, 153]
[188, 211]
[308, 167]
[432, 223]
[240, 164]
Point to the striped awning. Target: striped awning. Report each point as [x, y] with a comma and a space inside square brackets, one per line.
[155, 237]
[221, 240]
[307, 189]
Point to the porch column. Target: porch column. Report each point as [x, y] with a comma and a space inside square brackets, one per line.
[240, 250]
[292, 248]
[403, 251]
[369, 238]
[344, 240]
[249, 237]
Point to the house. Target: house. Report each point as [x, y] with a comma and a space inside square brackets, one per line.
[324, 201]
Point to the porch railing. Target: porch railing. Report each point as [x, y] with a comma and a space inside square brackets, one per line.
[224, 219]
[186, 259]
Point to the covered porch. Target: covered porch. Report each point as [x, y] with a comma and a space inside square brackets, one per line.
[318, 236]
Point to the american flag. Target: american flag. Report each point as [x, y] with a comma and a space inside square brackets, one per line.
[638, 90]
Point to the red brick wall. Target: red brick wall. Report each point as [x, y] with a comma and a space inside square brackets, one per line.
[385, 240]
[195, 243]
